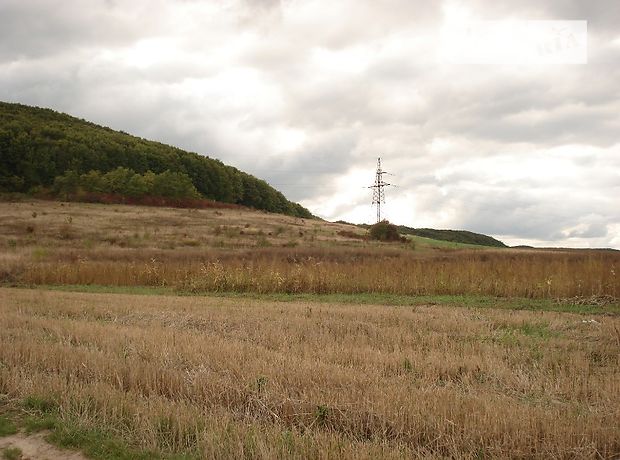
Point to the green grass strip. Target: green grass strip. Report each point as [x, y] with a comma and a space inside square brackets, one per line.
[468, 301]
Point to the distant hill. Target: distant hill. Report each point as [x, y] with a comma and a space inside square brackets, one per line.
[41, 149]
[456, 236]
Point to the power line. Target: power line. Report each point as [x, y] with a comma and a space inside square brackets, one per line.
[378, 194]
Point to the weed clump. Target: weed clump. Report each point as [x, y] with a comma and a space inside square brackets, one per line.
[39, 404]
[12, 453]
[7, 427]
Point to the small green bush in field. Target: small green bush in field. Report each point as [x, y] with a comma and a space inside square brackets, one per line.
[384, 231]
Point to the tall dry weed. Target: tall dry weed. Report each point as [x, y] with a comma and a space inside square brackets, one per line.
[544, 275]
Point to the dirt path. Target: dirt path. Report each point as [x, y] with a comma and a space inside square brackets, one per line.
[34, 447]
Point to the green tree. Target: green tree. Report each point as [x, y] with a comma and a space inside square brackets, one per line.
[174, 185]
[92, 182]
[118, 180]
[67, 183]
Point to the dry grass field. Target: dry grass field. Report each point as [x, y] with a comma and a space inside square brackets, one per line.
[266, 336]
[51, 243]
[231, 378]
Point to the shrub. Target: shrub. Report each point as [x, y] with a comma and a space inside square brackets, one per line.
[384, 231]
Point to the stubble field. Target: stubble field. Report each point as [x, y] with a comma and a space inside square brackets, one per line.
[216, 377]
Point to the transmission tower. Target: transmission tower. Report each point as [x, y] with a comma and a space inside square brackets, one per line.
[378, 194]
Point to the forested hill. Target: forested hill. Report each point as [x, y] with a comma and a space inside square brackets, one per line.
[44, 149]
[457, 236]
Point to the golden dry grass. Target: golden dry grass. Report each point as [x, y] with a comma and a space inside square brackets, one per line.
[226, 378]
[245, 251]
[497, 274]
[65, 225]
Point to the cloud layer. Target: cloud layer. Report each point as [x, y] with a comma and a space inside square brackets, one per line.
[307, 94]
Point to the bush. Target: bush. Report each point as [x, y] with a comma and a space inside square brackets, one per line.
[384, 231]
[126, 182]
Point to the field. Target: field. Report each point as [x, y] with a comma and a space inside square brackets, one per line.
[258, 379]
[47, 243]
[240, 334]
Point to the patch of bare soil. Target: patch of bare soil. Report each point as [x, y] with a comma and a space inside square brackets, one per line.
[34, 447]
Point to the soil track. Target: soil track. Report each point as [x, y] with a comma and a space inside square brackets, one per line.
[35, 447]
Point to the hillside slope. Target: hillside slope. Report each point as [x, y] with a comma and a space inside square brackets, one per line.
[455, 236]
[38, 145]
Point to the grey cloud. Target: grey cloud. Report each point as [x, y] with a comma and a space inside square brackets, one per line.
[511, 214]
[311, 171]
[594, 230]
[35, 29]
[528, 215]
[487, 111]
[602, 16]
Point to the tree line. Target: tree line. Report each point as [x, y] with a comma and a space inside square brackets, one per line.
[44, 149]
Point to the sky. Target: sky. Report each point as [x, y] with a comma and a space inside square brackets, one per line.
[497, 117]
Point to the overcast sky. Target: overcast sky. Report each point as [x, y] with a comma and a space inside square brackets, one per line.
[486, 125]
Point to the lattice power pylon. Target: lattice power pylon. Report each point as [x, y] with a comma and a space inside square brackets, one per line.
[378, 194]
